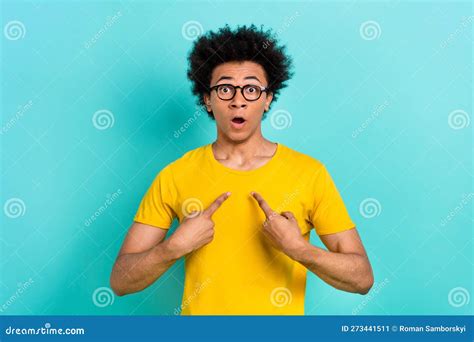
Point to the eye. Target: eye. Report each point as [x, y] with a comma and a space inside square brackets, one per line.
[224, 89]
[252, 89]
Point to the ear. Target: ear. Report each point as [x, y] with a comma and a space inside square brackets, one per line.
[268, 101]
[207, 102]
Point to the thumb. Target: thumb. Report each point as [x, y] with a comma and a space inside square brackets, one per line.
[289, 215]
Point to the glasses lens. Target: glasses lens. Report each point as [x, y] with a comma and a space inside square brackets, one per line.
[225, 92]
[252, 92]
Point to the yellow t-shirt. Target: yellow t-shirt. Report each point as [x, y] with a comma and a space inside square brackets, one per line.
[239, 272]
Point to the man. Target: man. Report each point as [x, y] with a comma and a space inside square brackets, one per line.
[245, 205]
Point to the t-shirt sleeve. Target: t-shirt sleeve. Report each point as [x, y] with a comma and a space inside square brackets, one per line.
[157, 206]
[329, 214]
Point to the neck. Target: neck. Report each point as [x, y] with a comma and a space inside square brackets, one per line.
[245, 150]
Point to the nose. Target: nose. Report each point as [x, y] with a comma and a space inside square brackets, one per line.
[238, 101]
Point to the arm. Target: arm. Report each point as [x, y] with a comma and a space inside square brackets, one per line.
[145, 254]
[143, 258]
[344, 266]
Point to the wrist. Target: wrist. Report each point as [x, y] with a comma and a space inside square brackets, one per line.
[172, 249]
[297, 249]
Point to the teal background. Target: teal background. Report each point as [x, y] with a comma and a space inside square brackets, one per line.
[407, 156]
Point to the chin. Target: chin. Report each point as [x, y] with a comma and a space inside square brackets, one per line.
[237, 137]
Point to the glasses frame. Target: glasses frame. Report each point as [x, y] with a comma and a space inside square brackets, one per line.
[262, 89]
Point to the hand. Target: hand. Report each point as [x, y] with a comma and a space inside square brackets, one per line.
[282, 230]
[197, 229]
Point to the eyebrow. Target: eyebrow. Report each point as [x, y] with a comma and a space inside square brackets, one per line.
[231, 78]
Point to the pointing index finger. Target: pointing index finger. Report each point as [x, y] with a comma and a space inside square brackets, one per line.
[211, 209]
[263, 204]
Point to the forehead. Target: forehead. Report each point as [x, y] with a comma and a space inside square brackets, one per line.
[238, 71]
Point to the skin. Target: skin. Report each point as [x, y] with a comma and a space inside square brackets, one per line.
[146, 254]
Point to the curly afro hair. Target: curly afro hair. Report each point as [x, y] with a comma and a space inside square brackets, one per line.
[239, 45]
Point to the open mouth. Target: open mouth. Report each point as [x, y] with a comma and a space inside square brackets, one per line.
[238, 120]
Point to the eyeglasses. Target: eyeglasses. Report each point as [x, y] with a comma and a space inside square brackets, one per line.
[227, 92]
